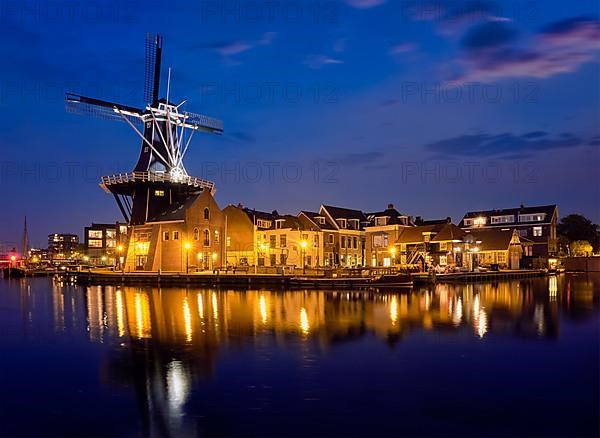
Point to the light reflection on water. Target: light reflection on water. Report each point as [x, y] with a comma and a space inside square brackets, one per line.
[165, 341]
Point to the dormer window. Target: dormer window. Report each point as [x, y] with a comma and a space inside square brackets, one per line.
[341, 223]
[354, 223]
[279, 223]
[321, 220]
[380, 221]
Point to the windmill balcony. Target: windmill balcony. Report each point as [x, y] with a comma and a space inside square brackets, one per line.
[134, 177]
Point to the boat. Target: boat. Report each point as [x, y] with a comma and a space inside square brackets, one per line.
[13, 272]
[393, 280]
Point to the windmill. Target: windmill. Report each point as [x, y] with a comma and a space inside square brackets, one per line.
[159, 179]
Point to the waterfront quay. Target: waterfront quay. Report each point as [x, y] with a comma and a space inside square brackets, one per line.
[288, 281]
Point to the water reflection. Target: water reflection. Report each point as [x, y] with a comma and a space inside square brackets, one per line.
[162, 342]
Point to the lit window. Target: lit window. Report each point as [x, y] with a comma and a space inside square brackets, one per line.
[95, 234]
[95, 243]
[537, 231]
[159, 193]
[228, 241]
[216, 236]
[283, 241]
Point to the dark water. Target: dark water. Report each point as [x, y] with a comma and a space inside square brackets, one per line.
[512, 358]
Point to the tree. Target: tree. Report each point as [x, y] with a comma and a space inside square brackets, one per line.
[576, 227]
[581, 248]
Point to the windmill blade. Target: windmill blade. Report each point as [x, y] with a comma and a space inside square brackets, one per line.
[101, 109]
[153, 62]
[203, 123]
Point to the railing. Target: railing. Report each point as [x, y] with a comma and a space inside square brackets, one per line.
[121, 178]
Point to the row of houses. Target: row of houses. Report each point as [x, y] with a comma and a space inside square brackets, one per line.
[199, 235]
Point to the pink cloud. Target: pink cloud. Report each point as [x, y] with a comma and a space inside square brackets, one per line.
[364, 4]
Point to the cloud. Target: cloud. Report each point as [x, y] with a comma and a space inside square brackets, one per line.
[562, 47]
[451, 18]
[243, 137]
[360, 158]
[502, 145]
[401, 48]
[318, 61]
[364, 4]
[229, 49]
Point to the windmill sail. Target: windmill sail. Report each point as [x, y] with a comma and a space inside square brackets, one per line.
[153, 62]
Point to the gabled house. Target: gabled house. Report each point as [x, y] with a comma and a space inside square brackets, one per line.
[438, 244]
[346, 241]
[188, 234]
[537, 224]
[381, 232]
[246, 233]
[495, 246]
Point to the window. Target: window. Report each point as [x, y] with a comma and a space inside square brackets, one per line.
[537, 231]
[343, 242]
[443, 260]
[206, 238]
[165, 235]
[283, 258]
[379, 221]
[536, 217]
[380, 240]
[468, 222]
[316, 241]
[479, 221]
[283, 241]
[322, 220]
[196, 234]
[355, 241]
[272, 260]
[111, 243]
[279, 223]
[501, 257]
[95, 234]
[308, 260]
[341, 223]
[503, 219]
[272, 241]
[330, 238]
[92, 243]
[443, 246]
[228, 239]
[206, 214]
[123, 229]
[355, 223]
[261, 223]
[217, 236]
[175, 235]
[159, 193]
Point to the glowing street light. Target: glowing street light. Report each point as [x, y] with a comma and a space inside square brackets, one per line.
[187, 247]
[303, 245]
[393, 254]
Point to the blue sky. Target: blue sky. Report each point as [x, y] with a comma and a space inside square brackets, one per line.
[436, 106]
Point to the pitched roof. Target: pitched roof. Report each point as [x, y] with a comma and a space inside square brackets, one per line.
[415, 234]
[176, 212]
[492, 239]
[345, 213]
[312, 215]
[449, 232]
[438, 232]
[547, 209]
[392, 213]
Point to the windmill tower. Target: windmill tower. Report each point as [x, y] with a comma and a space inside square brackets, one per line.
[159, 180]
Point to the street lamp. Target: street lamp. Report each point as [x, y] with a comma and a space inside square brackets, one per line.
[303, 245]
[393, 254]
[120, 252]
[187, 247]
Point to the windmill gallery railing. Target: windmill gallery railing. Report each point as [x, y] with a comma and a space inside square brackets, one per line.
[132, 177]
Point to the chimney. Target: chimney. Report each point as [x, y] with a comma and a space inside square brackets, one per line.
[449, 219]
[390, 206]
[418, 220]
